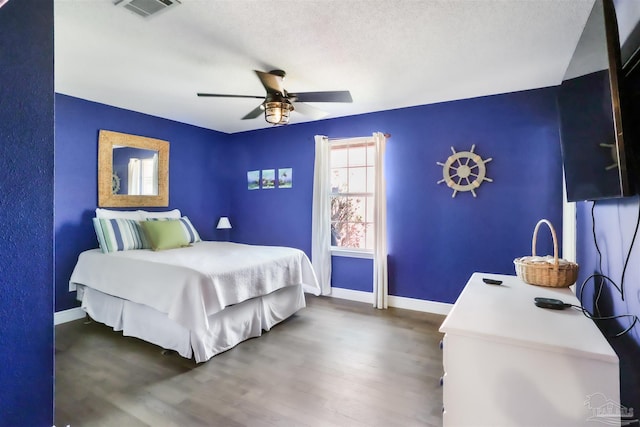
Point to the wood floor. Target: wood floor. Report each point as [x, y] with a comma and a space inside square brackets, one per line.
[335, 363]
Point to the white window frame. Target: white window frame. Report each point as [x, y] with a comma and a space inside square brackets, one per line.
[348, 251]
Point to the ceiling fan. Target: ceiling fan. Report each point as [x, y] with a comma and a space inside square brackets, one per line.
[278, 103]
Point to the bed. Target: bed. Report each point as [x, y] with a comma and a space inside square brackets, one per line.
[198, 300]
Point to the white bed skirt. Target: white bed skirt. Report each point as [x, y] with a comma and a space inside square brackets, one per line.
[228, 327]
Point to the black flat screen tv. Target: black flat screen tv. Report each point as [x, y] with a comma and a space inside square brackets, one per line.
[594, 134]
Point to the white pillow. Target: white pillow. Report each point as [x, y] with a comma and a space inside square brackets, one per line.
[174, 214]
[114, 214]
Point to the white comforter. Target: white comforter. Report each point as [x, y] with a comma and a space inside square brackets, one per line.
[190, 284]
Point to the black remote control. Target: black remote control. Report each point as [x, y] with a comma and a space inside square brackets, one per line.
[552, 303]
[491, 281]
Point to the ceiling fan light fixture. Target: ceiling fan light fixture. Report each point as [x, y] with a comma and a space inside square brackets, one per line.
[278, 103]
[277, 113]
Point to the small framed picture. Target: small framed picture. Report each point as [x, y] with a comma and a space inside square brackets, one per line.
[268, 178]
[285, 178]
[253, 180]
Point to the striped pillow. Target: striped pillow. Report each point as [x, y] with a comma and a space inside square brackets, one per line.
[119, 234]
[189, 230]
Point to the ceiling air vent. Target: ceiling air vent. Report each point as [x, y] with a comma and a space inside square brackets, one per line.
[146, 8]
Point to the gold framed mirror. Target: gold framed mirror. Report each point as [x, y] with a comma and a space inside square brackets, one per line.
[133, 171]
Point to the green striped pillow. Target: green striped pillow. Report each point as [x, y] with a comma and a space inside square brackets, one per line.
[119, 234]
[188, 228]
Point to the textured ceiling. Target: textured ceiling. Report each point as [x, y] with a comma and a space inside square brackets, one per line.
[388, 53]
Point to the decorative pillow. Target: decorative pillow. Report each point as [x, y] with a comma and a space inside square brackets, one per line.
[110, 213]
[119, 234]
[173, 214]
[188, 228]
[165, 234]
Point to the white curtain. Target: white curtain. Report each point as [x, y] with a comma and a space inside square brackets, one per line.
[133, 178]
[321, 216]
[380, 268]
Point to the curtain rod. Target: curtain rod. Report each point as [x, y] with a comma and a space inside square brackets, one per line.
[386, 135]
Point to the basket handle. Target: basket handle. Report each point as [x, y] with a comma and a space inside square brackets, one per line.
[553, 235]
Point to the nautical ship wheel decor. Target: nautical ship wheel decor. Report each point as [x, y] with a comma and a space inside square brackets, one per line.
[613, 150]
[464, 171]
[115, 183]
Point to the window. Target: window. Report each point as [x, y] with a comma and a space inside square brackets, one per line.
[147, 176]
[142, 178]
[352, 171]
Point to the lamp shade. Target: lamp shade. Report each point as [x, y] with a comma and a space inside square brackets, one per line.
[277, 113]
[223, 223]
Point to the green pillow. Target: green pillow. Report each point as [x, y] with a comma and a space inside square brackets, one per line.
[165, 234]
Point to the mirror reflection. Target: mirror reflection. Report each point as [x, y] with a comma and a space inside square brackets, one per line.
[135, 171]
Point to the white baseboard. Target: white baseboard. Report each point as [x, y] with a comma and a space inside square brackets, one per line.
[426, 306]
[352, 295]
[394, 301]
[65, 316]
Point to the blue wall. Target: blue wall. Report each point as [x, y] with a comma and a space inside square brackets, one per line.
[615, 223]
[198, 174]
[435, 241]
[26, 213]
[612, 229]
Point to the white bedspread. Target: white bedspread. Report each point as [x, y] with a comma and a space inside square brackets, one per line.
[190, 284]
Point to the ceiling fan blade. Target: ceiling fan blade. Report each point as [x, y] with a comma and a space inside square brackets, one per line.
[257, 112]
[329, 96]
[309, 111]
[218, 95]
[271, 82]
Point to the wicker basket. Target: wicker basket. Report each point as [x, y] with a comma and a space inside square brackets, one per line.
[559, 274]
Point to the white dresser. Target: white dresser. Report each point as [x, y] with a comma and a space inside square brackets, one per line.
[510, 363]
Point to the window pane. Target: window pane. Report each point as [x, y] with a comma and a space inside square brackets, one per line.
[339, 180]
[369, 209]
[357, 156]
[371, 155]
[369, 236]
[371, 179]
[337, 233]
[357, 180]
[357, 207]
[348, 234]
[340, 209]
[338, 157]
[355, 235]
